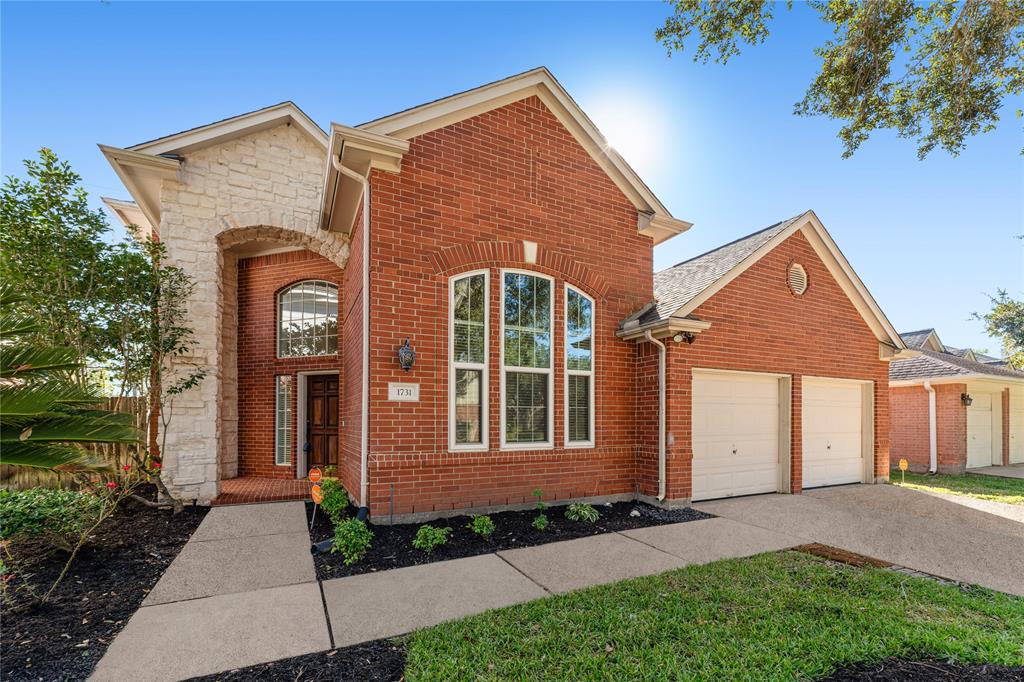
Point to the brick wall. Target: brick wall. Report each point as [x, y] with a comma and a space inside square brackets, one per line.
[351, 324]
[259, 280]
[467, 196]
[909, 436]
[759, 325]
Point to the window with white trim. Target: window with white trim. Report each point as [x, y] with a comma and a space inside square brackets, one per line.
[468, 370]
[283, 438]
[307, 319]
[526, 359]
[579, 368]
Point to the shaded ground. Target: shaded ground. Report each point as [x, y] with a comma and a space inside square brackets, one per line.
[926, 671]
[381, 660]
[392, 545]
[785, 615]
[65, 638]
[991, 488]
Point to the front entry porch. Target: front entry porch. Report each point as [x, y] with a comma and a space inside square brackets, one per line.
[253, 489]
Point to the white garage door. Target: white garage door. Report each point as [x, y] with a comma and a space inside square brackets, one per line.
[1016, 426]
[832, 432]
[979, 431]
[735, 435]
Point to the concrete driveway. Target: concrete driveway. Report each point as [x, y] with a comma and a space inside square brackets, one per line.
[937, 535]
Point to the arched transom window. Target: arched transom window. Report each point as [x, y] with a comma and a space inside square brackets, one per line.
[307, 315]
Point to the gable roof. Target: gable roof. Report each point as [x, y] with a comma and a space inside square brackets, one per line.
[923, 338]
[681, 289]
[654, 220]
[934, 365]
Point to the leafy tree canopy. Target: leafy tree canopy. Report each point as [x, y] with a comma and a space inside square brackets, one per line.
[935, 72]
[1005, 321]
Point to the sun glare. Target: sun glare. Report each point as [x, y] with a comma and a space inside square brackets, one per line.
[632, 125]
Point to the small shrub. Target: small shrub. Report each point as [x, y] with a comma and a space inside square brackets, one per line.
[482, 525]
[60, 517]
[581, 511]
[428, 538]
[352, 540]
[541, 522]
[335, 502]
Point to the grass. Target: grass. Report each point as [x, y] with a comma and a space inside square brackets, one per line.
[773, 616]
[994, 488]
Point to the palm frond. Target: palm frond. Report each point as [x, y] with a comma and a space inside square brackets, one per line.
[33, 399]
[8, 295]
[50, 456]
[69, 428]
[15, 323]
[19, 360]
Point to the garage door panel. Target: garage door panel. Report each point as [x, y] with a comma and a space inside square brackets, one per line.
[832, 433]
[1016, 426]
[735, 435]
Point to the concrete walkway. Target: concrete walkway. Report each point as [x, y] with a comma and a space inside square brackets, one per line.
[1011, 471]
[243, 591]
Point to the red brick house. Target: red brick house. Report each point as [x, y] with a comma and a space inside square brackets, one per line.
[455, 305]
[954, 409]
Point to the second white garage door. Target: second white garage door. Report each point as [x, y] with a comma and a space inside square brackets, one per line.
[832, 432]
[735, 434]
[979, 431]
[1016, 426]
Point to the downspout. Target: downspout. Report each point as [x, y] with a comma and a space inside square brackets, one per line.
[661, 413]
[933, 447]
[364, 426]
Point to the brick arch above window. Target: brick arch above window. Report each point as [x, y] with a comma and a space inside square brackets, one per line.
[508, 254]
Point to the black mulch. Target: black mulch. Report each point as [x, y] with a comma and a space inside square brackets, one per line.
[392, 545]
[378, 661]
[926, 671]
[65, 638]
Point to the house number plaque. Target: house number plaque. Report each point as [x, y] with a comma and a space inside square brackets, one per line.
[402, 392]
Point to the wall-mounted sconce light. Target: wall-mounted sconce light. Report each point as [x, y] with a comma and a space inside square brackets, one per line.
[685, 336]
[406, 356]
[966, 399]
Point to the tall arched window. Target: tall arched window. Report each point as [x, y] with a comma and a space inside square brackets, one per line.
[307, 318]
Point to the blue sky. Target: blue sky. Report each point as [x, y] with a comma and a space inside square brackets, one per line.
[719, 145]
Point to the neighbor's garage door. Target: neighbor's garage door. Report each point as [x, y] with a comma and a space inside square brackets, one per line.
[735, 434]
[979, 431]
[832, 432]
[1016, 426]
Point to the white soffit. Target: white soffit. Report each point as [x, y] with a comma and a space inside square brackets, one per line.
[129, 213]
[142, 175]
[654, 219]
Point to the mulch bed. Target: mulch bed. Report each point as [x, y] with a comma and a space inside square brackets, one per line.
[65, 638]
[926, 671]
[378, 661]
[392, 545]
[842, 556]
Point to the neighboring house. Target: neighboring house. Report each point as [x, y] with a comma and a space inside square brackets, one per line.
[954, 409]
[496, 235]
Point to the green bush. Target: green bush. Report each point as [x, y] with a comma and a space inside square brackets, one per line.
[335, 502]
[482, 525]
[58, 516]
[541, 522]
[581, 511]
[428, 538]
[352, 540]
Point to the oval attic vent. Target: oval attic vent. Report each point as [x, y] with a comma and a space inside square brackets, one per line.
[797, 279]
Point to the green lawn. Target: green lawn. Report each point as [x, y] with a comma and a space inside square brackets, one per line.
[774, 616]
[995, 488]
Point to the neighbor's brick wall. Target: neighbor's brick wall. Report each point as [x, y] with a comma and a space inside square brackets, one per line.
[259, 281]
[909, 437]
[759, 325]
[951, 427]
[467, 196]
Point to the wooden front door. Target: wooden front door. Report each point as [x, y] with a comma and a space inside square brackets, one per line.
[322, 420]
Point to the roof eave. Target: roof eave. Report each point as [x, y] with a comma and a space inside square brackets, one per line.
[662, 328]
[142, 175]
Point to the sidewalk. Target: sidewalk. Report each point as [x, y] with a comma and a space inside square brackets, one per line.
[244, 591]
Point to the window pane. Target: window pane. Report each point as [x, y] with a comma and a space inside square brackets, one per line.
[308, 319]
[579, 324]
[527, 312]
[468, 315]
[526, 408]
[468, 406]
[579, 408]
[283, 420]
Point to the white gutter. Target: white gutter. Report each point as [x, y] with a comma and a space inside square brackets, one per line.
[933, 448]
[661, 412]
[364, 426]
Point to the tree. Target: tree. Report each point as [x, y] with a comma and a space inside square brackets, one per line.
[1006, 322]
[44, 418]
[936, 72]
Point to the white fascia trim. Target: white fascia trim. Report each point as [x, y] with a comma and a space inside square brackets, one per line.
[834, 260]
[129, 213]
[236, 126]
[142, 175]
[956, 379]
[662, 328]
[654, 219]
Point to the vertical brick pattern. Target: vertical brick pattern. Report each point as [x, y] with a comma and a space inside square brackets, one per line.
[909, 434]
[759, 325]
[951, 427]
[259, 281]
[351, 324]
[504, 176]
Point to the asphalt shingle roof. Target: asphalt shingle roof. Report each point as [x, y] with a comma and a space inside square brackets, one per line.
[932, 365]
[916, 339]
[681, 283]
